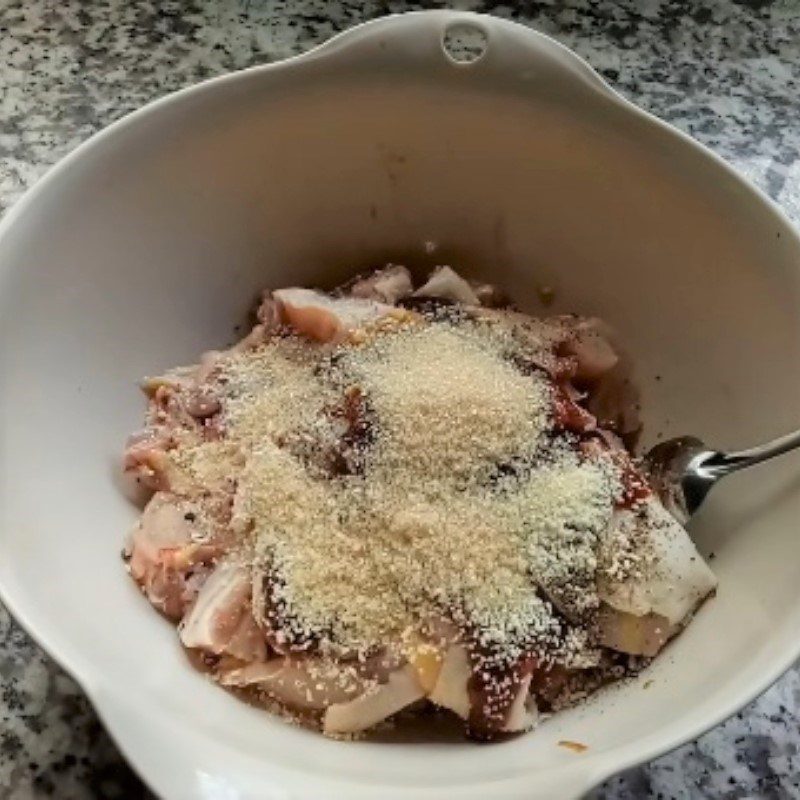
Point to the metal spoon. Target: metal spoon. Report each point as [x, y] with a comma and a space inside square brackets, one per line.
[684, 469]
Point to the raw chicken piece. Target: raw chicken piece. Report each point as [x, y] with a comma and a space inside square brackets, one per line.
[599, 363]
[179, 393]
[269, 313]
[176, 379]
[350, 701]
[181, 409]
[648, 603]
[163, 554]
[523, 713]
[638, 635]
[447, 284]
[147, 459]
[450, 690]
[299, 684]
[387, 285]
[324, 318]
[221, 618]
[589, 342]
[376, 704]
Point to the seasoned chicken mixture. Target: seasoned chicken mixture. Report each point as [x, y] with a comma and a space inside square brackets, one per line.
[394, 498]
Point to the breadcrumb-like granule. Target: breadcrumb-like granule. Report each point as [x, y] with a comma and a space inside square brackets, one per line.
[426, 526]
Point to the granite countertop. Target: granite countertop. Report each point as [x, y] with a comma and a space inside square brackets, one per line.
[726, 72]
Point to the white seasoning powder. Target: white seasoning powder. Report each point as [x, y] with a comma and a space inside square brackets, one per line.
[430, 522]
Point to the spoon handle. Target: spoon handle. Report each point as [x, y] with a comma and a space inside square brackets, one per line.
[724, 463]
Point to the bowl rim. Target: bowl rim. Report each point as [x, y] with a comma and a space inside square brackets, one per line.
[624, 757]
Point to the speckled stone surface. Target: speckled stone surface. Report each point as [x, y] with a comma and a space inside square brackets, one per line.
[726, 72]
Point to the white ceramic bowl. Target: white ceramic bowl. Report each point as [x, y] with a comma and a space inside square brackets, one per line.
[149, 242]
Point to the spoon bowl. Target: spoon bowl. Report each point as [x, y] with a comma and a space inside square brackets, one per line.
[683, 470]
